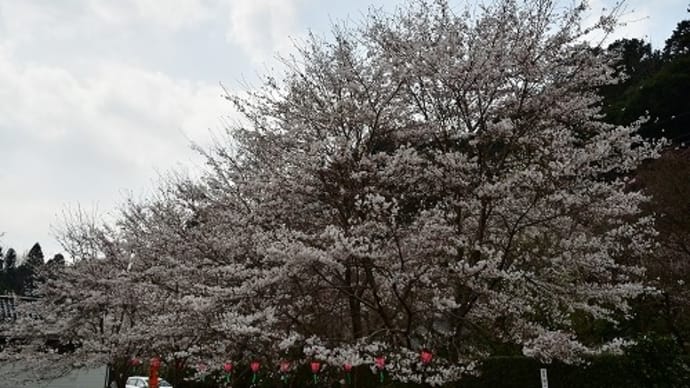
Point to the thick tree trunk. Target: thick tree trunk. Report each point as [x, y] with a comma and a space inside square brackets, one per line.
[355, 307]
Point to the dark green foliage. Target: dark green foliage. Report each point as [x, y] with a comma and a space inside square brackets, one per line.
[29, 269]
[23, 279]
[10, 278]
[679, 42]
[664, 97]
[637, 60]
[34, 259]
[598, 372]
[57, 260]
[656, 361]
[10, 260]
[657, 87]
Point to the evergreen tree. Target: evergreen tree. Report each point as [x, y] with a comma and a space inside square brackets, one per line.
[9, 274]
[34, 259]
[657, 86]
[28, 270]
[57, 260]
[636, 59]
[10, 260]
[679, 42]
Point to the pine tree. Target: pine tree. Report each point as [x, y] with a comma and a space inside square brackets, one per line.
[679, 42]
[29, 269]
[34, 259]
[11, 280]
[10, 260]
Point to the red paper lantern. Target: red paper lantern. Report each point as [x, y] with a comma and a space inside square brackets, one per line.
[347, 367]
[255, 366]
[380, 362]
[425, 356]
[227, 367]
[284, 366]
[315, 366]
[155, 363]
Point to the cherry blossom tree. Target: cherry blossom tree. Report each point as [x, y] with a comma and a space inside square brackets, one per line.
[432, 179]
[84, 313]
[444, 181]
[197, 259]
[160, 281]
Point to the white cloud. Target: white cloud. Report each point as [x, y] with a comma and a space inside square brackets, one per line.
[263, 27]
[30, 19]
[172, 14]
[83, 117]
[72, 138]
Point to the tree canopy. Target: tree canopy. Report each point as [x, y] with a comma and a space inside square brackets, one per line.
[431, 180]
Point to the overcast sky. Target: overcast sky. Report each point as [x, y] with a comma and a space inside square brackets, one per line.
[97, 97]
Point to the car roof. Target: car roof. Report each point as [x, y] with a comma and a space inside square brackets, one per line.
[145, 378]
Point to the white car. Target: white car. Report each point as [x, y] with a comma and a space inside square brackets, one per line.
[143, 382]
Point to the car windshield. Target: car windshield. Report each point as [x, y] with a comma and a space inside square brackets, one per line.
[161, 383]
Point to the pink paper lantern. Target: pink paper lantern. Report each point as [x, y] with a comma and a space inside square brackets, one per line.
[426, 356]
[315, 366]
[380, 362]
